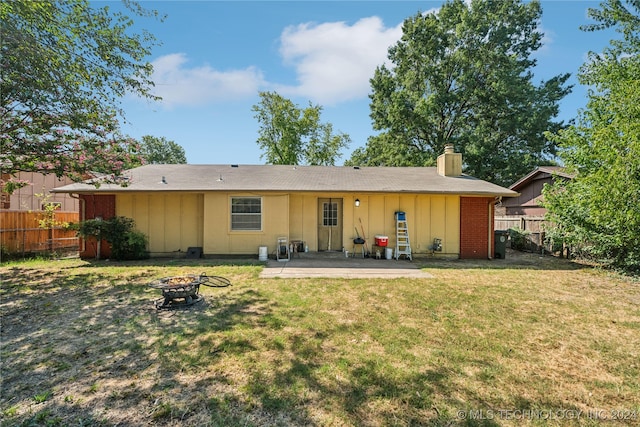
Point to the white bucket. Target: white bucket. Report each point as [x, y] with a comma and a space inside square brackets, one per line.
[388, 253]
[262, 253]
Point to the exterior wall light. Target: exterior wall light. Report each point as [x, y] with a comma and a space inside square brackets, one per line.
[357, 203]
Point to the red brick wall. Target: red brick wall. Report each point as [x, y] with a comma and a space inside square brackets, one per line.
[476, 227]
[96, 206]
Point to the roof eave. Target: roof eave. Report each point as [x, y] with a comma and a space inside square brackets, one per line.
[103, 190]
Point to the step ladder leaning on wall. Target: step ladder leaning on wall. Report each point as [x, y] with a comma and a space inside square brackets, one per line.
[403, 246]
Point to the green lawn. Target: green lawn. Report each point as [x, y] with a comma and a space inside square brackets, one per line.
[542, 342]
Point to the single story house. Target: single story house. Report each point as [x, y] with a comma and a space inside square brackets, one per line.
[237, 209]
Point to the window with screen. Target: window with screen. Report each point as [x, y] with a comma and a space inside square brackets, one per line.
[246, 213]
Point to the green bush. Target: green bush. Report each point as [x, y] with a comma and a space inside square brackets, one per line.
[132, 245]
[126, 242]
[519, 239]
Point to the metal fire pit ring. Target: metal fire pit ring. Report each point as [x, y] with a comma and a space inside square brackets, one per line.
[177, 288]
[185, 288]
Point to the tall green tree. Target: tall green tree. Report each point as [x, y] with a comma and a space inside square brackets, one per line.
[290, 135]
[159, 150]
[65, 67]
[463, 76]
[598, 212]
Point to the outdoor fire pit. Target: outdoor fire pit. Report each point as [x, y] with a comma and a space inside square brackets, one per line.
[184, 290]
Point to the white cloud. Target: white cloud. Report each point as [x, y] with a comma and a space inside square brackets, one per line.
[179, 85]
[334, 61]
[548, 39]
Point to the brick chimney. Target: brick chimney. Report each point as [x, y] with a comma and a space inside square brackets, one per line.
[449, 162]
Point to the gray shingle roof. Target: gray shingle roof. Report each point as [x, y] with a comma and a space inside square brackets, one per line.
[202, 178]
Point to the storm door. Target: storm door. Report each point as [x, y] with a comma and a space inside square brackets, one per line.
[330, 224]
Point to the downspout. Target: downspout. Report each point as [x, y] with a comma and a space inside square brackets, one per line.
[491, 233]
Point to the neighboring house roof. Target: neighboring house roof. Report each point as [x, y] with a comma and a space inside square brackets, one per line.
[184, 177]
[552, 170]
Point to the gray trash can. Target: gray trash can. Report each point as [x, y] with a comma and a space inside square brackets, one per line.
[500, 239]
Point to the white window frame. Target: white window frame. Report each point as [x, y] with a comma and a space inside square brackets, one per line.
[249, 214]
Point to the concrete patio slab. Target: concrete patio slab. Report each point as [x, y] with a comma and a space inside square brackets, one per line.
[336, 265]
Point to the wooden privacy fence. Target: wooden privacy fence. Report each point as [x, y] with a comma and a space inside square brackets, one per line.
[533, 224]
[20, 232]
[533, 231]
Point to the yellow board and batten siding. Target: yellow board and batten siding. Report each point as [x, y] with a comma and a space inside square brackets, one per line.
[172, 222]
[428, 217]
[176, 221]
[303, 219]
[220, 239]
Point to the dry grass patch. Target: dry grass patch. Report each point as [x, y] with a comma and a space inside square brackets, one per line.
[82, 344]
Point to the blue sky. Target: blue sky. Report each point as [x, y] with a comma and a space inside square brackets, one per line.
[215, 56]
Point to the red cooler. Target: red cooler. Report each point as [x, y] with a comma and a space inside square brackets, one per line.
[382, 240]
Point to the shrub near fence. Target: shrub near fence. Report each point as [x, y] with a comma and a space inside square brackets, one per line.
[20, 232]
[526, 233]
